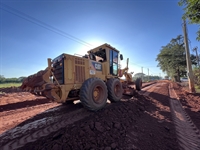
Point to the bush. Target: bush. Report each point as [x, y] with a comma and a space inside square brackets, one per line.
[196, 72]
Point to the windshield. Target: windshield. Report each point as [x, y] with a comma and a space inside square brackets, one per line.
[101, 55]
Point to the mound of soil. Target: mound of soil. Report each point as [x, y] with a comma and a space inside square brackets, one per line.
[129, 124]
[190, 102]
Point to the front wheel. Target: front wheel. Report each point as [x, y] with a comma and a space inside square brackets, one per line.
[93, 94]
[138, 84]
[114, 89]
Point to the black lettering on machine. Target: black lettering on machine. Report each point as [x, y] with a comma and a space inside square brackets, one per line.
[97, 66]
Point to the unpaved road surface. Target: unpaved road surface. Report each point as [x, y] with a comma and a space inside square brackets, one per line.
[162, 116]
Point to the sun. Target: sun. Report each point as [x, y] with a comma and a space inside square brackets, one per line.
[91, 44]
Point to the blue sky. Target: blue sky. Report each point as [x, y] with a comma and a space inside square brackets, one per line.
[137, 28]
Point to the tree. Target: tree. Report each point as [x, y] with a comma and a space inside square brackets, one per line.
[192, 12]
[172, 58]
[166, 77]
[2, 79]
[196, 72]
[11, 80]
[21, 79]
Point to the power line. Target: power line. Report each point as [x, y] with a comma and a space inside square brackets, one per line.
[146, 67]
[135, 64]
[42, 24]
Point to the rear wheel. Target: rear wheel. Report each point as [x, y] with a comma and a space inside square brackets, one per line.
[93, 94]
[114, 89]
[138, 84]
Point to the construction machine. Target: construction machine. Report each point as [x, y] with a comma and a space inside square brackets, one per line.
[92, 78]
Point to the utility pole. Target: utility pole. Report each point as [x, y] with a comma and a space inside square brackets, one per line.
[148, 74]
[188, 61]
[197, 56]
[142, 73]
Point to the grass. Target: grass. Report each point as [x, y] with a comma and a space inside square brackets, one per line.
[4, 85]
[197, 88]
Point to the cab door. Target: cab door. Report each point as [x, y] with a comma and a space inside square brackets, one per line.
[113, 62]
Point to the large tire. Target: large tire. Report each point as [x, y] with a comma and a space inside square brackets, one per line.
[138, 84]
[93, 94]
[114, 89]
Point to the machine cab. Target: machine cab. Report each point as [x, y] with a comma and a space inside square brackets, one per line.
[113, 62]
[108, 56]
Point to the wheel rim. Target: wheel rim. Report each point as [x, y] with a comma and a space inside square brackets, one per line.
[117, 90]
[98, 94]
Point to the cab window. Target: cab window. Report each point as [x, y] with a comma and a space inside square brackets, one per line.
[113, 62]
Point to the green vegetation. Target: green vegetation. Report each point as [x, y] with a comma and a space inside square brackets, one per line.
[197, 89]
[172, 58]
[192, 12]
[11, 80]
[196, 72]
[145, 78]
[4, 85]
[8, 82]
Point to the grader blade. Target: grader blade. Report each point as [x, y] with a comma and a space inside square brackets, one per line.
[129, 88]
[129, 91]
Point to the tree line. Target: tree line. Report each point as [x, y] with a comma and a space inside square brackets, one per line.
[11, 80]
[145, 77]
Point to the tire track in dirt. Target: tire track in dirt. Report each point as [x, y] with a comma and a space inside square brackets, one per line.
[41, 129]
[10, 98]
[187, 133]
[16, 132]
[18, 105]
[147, 90]
[26, 109]
[40, 120]
[8, 121]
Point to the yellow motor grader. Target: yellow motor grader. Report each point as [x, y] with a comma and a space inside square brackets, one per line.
[92, 78]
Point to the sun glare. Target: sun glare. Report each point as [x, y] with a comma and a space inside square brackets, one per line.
[82, 50]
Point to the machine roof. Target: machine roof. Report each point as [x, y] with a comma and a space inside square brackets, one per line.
[102, 46]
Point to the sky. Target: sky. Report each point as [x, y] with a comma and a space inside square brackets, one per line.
[33, 30]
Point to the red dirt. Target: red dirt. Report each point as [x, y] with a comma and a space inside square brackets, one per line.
[140, 122]
[18, 107]
[190, 102]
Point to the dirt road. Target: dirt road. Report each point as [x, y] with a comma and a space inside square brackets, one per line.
[161, 116]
